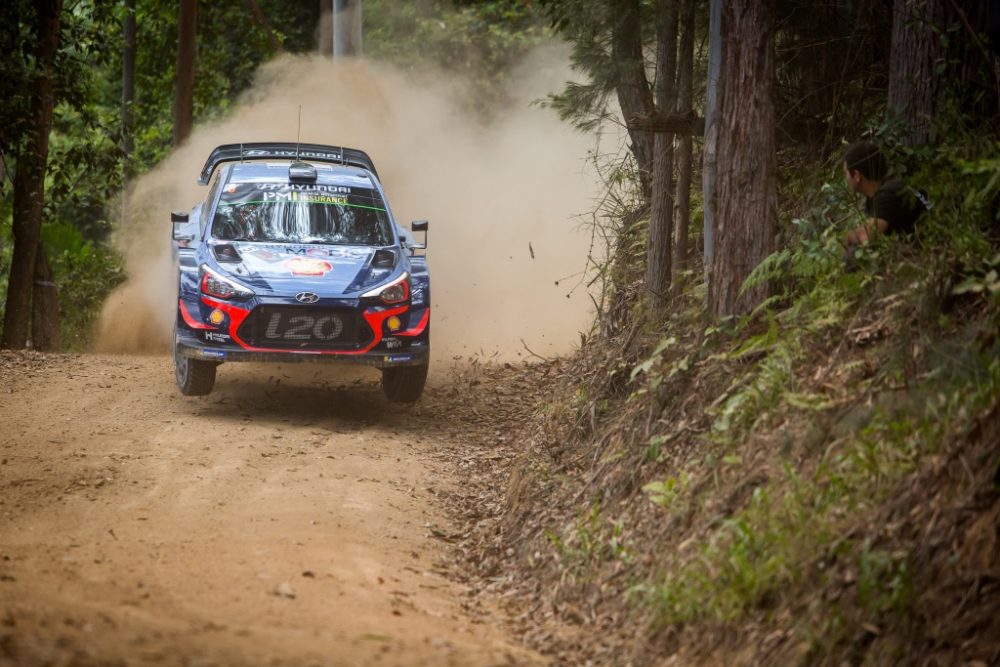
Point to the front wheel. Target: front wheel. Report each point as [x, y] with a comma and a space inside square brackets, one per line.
[194, 376]
[404, 384]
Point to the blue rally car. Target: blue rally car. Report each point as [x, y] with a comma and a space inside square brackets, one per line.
[294, 256]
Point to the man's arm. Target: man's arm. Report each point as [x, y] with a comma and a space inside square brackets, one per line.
[866, 232]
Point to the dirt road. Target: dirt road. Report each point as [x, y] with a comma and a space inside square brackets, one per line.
[290, 518]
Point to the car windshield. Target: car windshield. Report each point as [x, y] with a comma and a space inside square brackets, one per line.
[301, 213]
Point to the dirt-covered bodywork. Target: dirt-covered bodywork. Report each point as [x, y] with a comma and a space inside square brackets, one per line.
[294, 255]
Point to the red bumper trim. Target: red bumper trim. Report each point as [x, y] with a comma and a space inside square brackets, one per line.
[189, 320]
[419, 329]
[375, 319]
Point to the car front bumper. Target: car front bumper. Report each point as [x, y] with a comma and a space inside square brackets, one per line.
[196, 338]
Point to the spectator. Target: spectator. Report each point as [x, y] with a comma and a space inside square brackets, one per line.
[890, 206]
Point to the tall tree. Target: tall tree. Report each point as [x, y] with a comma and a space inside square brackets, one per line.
[128, 98]
[29, 179]
[609, 38]
[630, 83]
[916, 50]
[746, 196]
[685, 106]
[939, 51]
[44, 305]
[658, 249]
[186, 54]
[346, 31]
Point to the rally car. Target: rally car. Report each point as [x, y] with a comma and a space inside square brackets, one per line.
[294, 255]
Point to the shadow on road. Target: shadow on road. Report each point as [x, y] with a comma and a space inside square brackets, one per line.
[340, 398]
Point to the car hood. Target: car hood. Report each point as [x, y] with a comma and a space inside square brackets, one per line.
[327, 270]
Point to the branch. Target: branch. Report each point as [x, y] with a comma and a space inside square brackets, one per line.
[537, 356]
[674, 123]
[263, 23]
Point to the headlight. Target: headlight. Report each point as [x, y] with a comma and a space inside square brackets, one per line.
[215, 285]
[395, 292]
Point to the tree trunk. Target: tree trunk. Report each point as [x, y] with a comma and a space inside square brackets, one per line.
[634, 96]
[44, 306]
[710, 156]
[685, 76]
[658, 248]
[128, 100]
[347, 29]
[29, 182]
[184, 96]
[916, 50]
[746, 199]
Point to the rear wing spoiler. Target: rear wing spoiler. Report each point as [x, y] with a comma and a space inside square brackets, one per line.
[285, 151]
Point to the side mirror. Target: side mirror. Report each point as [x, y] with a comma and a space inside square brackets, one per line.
[180, 221]
[420, 226]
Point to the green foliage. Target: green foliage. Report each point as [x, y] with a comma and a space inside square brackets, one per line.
[588, 541]
[85, 273]
[669, 492]
[780, 540]
[231, 46]
[587, 27]
[478, 42]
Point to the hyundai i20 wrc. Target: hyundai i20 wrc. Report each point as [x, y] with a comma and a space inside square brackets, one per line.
[294, 255]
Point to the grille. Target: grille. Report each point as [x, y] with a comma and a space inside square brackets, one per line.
[305, 328]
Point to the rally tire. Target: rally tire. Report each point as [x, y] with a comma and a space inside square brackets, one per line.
[194, 376]
[405, 383]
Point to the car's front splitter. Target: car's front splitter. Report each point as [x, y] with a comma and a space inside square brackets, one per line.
[195, 349]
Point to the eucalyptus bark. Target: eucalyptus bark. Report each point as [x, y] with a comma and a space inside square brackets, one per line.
[685, 103]
[44, 306]
[916, 53]
[658, 249]
[186, 54]
[634, 96]
[128, 101]
[29, 180]
[746, 199]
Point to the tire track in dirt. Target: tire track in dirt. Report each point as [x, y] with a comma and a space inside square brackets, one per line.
[288, 518]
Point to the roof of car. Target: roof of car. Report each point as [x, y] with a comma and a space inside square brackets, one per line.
[283, 150]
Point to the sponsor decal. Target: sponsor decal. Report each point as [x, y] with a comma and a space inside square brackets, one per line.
[306, 266]
[397, 357]
[324, 199]
[306, 198]
[260, 152]
[304, 187]
[216, 337]
[216, 317]
[215, 354]
[330, 253]
[393, 343]
[260, 253]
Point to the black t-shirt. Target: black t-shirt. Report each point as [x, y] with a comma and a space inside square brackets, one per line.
[897, 204]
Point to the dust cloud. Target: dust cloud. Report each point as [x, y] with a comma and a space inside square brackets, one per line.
[503, 198]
